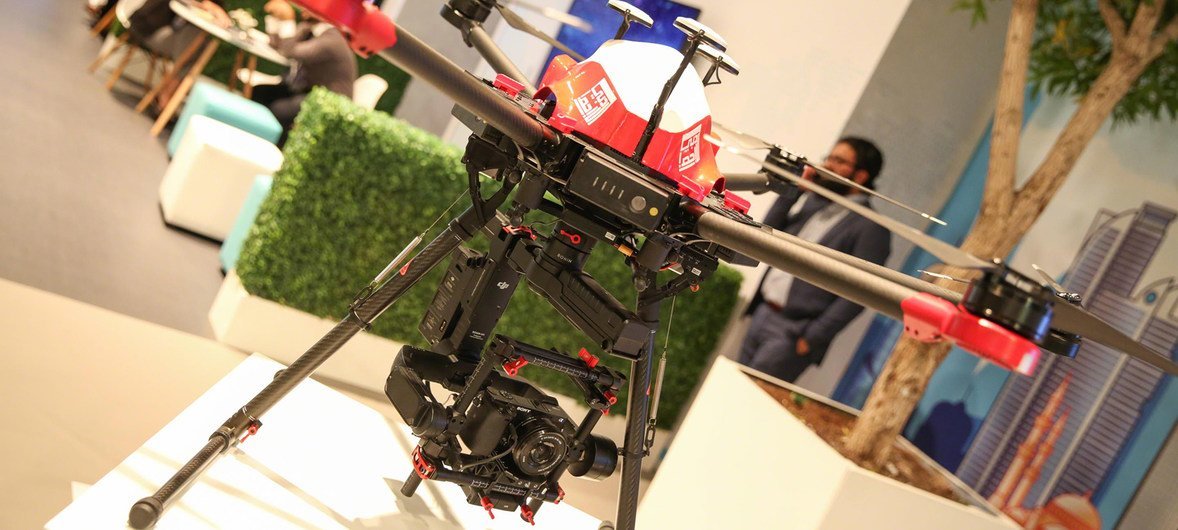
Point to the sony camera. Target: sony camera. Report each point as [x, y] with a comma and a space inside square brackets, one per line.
[502, 440]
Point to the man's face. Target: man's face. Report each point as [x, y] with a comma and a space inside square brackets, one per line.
[841, 161]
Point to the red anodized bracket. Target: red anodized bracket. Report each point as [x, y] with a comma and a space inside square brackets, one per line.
[421, 466]
[521, 229]
[512, 367]
[367, 29]
[527, 514]
[590, 359]
[507, 85]
[488, 505]
[928, 318]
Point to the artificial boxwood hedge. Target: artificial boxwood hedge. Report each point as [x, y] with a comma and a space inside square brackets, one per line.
[221, 64]
[355, 186]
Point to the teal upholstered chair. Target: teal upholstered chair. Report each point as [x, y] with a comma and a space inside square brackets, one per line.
[231, 247]
[226, 107]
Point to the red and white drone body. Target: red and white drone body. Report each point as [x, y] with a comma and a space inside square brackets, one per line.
[609, 96]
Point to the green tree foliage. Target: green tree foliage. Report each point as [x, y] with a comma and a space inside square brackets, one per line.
[1073, 45]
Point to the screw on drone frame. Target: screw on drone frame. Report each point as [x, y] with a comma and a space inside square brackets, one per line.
[697, 34]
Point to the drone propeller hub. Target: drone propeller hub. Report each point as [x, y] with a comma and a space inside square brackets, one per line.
[1011, 300]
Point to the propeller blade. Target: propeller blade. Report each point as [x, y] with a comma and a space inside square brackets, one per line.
[1063, 294]
[517, 22]
[1073, 319]
[941, 250]
[839, 178]
[943, 276]
[554, 14]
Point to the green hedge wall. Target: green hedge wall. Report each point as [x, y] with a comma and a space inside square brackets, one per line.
[221, 64]
[356, 186]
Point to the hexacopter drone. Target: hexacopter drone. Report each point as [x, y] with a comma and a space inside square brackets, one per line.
[618, 148]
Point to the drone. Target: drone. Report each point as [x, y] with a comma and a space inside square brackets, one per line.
[619, 150]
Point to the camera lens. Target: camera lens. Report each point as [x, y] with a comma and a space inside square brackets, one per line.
[541, 447]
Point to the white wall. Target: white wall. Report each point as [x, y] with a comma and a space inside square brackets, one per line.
[804, 66]
[926, 107]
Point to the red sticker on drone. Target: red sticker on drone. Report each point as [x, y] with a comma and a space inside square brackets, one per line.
[689, 148]
[594, 103]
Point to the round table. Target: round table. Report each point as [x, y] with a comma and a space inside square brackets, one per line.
[254, 43]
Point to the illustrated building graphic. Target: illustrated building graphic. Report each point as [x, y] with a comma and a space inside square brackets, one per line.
[1107, 392]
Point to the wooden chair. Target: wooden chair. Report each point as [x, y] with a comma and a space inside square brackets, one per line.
[103, 23]
[122, 12]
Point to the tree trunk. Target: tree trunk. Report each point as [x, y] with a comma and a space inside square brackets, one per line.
[912, 363]
[1004, 218]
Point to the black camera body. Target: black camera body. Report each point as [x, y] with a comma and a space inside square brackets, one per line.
[503, 440]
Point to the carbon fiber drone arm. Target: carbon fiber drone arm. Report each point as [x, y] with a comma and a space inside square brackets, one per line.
[371, 31]
[928, 315]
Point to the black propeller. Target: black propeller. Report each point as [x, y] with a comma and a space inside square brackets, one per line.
[1066, 317]
[750, 142]
[514, 20]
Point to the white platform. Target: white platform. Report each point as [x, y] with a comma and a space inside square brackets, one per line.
[320, 460]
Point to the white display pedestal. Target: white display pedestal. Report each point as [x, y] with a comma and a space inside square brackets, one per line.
[320, 460]
[740, 460]
[254, 324]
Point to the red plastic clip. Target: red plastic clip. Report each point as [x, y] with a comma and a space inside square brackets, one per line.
[527, 514]
[735, 202]
[421, 466]
[562, 123]
[251, 430]
[573, 237]
[589, 358]
[559, 494]
[488, 505]
[610, 397]
[507, 85]
[517, 230]
[405, 268]
[512, 367]
[691, 189]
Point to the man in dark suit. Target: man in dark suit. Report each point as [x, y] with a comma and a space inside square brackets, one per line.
[319, 56]
[793, 322]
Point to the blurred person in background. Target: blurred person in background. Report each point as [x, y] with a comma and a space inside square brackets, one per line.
[319, 56]
[794, 322]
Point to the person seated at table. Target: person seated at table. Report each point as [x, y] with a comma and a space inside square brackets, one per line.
[156, 27]
[319, 56]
